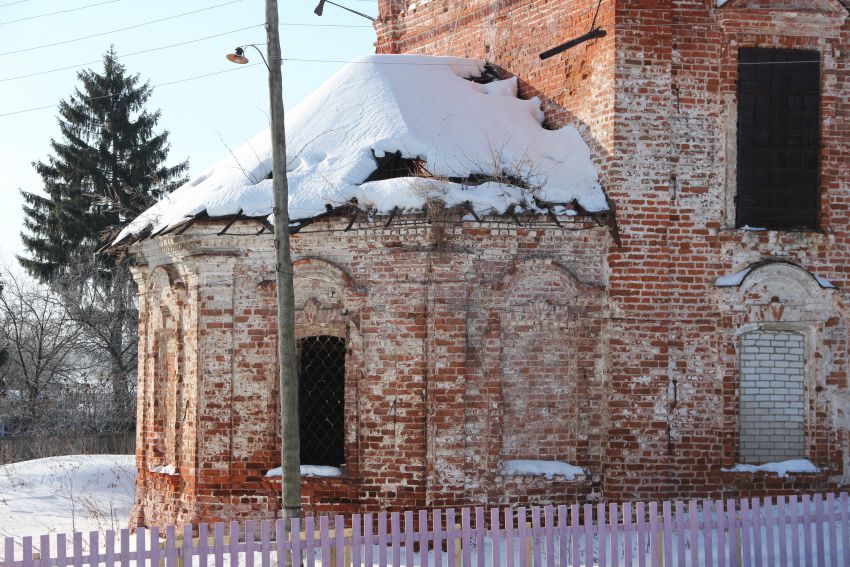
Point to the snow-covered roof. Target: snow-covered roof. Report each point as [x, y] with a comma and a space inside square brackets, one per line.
[475, 141]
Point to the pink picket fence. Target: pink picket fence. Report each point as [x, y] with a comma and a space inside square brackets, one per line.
[806, 531]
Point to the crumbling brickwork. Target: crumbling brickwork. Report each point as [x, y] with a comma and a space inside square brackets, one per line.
[469, 344]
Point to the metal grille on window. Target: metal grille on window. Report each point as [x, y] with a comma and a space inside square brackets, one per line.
[778, 138]
[321, 400]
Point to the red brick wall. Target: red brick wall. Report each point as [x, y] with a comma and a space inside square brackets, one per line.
[453, 332]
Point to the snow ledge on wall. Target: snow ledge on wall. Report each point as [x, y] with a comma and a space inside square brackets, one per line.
[781, 469]
[548, 469]
[310, 470]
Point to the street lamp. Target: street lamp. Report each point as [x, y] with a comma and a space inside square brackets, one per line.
[289, 434]
[321, 7]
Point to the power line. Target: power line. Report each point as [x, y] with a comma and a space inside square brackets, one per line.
[135, 26]
[79, 65]
[153, 87]
[59, 12]
[11, 3]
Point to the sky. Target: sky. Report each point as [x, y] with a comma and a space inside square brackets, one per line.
[204, 116]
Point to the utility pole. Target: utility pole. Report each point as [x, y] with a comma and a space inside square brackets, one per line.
[289, 434]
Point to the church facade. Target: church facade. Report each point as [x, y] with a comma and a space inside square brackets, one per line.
[643, 348]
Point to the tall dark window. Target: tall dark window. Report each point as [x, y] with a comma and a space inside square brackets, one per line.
[778, 138]
[321, 400]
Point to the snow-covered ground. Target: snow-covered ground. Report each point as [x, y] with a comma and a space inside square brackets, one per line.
[66, 494]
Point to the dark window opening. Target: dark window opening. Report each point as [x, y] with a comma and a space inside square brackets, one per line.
[321, 401]
[778, 138]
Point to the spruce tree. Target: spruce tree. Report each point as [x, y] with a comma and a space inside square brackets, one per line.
[107, 168]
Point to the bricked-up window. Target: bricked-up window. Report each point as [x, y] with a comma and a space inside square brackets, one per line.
[772, 418]
[321, 393]
[778, 138]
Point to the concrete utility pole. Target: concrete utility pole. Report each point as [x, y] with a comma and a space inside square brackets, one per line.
[289, 434]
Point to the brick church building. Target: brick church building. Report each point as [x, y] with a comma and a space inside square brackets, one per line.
[694, 320]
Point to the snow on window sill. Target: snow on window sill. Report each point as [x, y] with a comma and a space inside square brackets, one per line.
[165, 469]
[310, 470]
[547, 469]
[781, 469]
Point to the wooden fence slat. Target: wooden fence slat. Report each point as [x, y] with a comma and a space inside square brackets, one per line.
[78, 549]
[781, 530]
[563, 548]
[153, 538]
[522, 533]
[720, 525]
[795, 533]
[480, 531]
[325, 541]
[666, 506]
[746, 533]
[693, 530]
[395, 524]
[249, 543]
[845, 526]
[589, 557]
[758, 522]
[234, 543]
[27, 551]
[641, 534]
[627, 534]
[61, 550]
[423, 538]
[357, 537]
[219, 544]
[732, 534]
[495, 536]
[549, 535]
[809, 555]
[535, 537]
[708, 529]
[437, 533]
[453, 541]
[170, 551]
[602, 534]
[819, 533]
[614, 533]
[408, 539]
[769, 535]
[295, 547]
[265, 543]
[186, 554]
[465, 526]
[509, 537]
[44, 549]
[654, 535]
[680, 532]
[94, 548]
[830, 516]
[9, 551]
[309, 541]
[279, 539]
[575, 534]
[382, 539]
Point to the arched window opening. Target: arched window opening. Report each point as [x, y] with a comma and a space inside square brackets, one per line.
[321, 400]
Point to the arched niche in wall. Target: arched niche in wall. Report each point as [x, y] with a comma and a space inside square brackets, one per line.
[163, 367]
[784, 333]
[549, 332]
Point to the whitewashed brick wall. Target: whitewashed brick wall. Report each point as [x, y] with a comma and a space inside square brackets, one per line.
[772, 412]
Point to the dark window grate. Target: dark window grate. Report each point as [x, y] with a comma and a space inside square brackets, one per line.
[778, 138]
[321, 400]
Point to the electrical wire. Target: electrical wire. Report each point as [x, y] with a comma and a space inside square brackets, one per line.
[58, 12]
[152, 86]
[135, 26]
[80, 65]
[12, 3]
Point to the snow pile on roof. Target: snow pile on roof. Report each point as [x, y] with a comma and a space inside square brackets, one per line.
[548, 469]
[310, 470]
[781, 469]
[62, 494]
[420, 106]
[164, 469]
